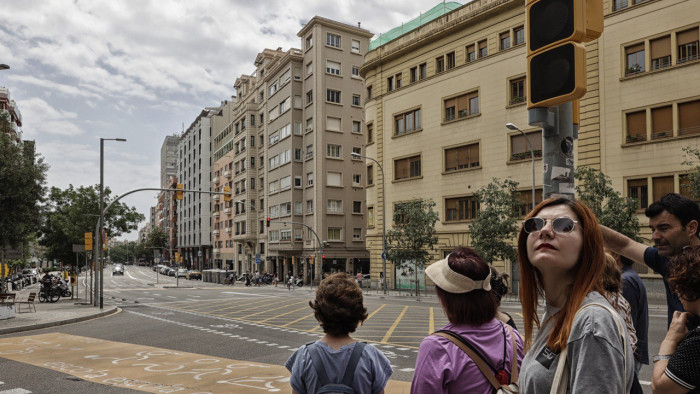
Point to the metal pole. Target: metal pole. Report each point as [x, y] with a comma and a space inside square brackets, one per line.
[102, 202]
[558, 136]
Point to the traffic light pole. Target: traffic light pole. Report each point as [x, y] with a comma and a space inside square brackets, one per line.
[558, 135]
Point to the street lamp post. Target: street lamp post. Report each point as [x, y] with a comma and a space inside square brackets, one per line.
[357, 155]
[4, 67]
[513, 127]
[100, 224]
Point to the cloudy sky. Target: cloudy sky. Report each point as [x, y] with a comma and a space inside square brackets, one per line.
[85, 69]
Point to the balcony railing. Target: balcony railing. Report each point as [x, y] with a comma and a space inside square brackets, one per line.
[227, 174]
[228, 230]
[215, 232]
[227, 211]
[215, 179]
[216, 197]
[216, 214]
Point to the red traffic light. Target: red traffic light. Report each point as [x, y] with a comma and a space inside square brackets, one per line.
[268, 222]
[323, 256]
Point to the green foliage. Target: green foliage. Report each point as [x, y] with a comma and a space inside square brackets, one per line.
[413, 235]
[72, 212]
[496, 224]
[692, 159]
[611, 209]
[22, 180]
[123, 253]
[157, 238]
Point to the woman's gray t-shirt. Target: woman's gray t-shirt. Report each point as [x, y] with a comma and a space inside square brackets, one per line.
[371, 375]
[595, 354]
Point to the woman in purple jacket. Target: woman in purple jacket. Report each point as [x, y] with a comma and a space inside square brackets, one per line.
[462, 283]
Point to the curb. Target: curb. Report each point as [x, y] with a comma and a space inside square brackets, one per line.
[13, 330]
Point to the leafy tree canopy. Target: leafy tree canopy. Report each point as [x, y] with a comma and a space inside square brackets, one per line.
[413, 234]
[496, 224]
[692, 159]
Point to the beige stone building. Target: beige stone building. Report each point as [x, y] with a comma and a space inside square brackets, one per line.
[439, 96]
[283, 145]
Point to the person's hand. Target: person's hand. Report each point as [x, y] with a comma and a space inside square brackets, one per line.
[678, 329]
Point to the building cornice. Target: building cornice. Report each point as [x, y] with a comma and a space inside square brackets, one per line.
[317, 20]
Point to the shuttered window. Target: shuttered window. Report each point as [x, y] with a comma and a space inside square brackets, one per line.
[461, 208]
[636, 126]
[407, 168]
[689, 118]
[661, 122]
[661, 53]
[519, 149]
[462, 157]
[662, 185]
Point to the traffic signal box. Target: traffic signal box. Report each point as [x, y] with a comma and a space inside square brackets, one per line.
[88, 241]
[179, 195]
[227, 196]
[556, 58]
[268, 222]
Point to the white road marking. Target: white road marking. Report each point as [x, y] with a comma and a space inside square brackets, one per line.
[248, 294]
[15, 391]
[407, 369]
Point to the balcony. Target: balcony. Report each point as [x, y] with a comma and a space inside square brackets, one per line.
[215, 180]
[215, 232]
[227, 211]
[216, 214]
[227, 174]
[228, 230]
[216, 250]
[216, 197]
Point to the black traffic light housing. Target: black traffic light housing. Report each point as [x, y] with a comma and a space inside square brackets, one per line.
[268, 222]
[557, 75]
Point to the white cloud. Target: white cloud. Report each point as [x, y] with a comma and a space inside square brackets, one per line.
[39, 117]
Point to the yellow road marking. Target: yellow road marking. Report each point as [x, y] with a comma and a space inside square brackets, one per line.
[299, 319]
[431, 322]
[375, 312]
[274, 309]
[282, 314]
[393, 326]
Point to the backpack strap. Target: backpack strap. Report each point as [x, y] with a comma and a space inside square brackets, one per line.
[514, 361]
[318, 365]
[485, 369]
[352, 363]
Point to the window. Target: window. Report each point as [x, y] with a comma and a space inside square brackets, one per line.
[334, 151]
[687, 42]
[297, 182]
[309, 97]
[334, 233]
[462, 106]
[309, 68]
[519, 148]
[689, 118]
[356, 234]
[310, 179]
[309, 151]
[637, 188]
[636, 126]
[517, 91]
[370, 174]
[355, 48]
[413, 74]
[309, 206]
[423, 71]
[661, 122]
[335, 206]
[357, 207]
[407, 168]
[332, 67]
[355, 71]
[370, 133]
[483, 49]
[273, 236]
[285, 208]
[370, 216]
[286, 182]
[333, 40]
[297, 128]
[504, 40]
[286, 77]
[297, 154]
[661, 186]
[298, 209]
[519, 33]
[461, 208]
[471, 53]
[334, 179]
[274, 187]
[369, 92]
[285, 105]
[462, 157]
[660, 53]
[450, 60]
[356, 126]
[525, 197]
[357, 150]
[333, 124]
[635, 59]
[619, 4]
[390, 84]
[285, 235]
[356, 100]
[439, 64]
[333, 96]
[357, 179]
[398, 81]
[309, 41]
[407, 122]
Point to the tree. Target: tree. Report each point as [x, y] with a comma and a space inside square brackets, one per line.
[73, 212]
[612, 210]
[496, 224]
[22, 188]
[157, 238]
[693, 185]
[123, 252]
[413, 235]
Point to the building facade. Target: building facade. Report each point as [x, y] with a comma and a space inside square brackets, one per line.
[194, 211]
[9, 108]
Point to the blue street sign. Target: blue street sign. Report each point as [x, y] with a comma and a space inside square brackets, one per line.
[257, 260]
[384, 255]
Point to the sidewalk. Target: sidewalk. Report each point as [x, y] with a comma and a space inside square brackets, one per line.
[65, 311]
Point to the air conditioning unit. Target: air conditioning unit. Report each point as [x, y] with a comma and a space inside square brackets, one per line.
[310, 128]
[297, 78]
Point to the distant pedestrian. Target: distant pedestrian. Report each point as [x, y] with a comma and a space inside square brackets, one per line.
[381, 280]
[290, 282]
[339, 309]
[499, 287]
[463, 285]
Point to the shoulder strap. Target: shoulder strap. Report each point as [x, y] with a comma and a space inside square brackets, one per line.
[514, 360]
[621, 330]
[476, 358]
[352, 363]
[318, 365]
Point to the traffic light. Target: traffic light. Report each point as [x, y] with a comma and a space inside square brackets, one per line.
[88, 241]
[179, 195]
[227, 196]
[556, 70]
[268, 222]
[323, 256]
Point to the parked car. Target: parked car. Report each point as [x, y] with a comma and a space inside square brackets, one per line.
[181, 273]
[172, 271]
[194, 275]
[118, 270]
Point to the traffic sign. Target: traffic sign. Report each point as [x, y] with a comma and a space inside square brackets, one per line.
[88, 241]
[5, 270]
[384, 255]
[257, 260]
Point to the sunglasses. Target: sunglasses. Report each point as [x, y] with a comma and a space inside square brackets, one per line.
[562, 225]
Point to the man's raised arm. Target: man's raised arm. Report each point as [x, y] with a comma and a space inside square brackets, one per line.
[623, 245]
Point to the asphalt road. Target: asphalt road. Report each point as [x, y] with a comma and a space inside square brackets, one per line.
[206, 326]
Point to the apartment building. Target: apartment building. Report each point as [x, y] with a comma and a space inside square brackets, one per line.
[9, 107]
[440, 92]
[194, 211]
[168, 170]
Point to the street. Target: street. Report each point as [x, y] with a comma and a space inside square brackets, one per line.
[213, 338]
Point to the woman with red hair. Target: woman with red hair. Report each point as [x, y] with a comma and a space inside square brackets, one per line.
[581, 345]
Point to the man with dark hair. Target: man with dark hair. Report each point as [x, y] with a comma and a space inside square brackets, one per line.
[635, 294]
[674, 225]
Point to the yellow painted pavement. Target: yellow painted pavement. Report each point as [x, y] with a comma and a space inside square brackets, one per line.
[150, 369]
